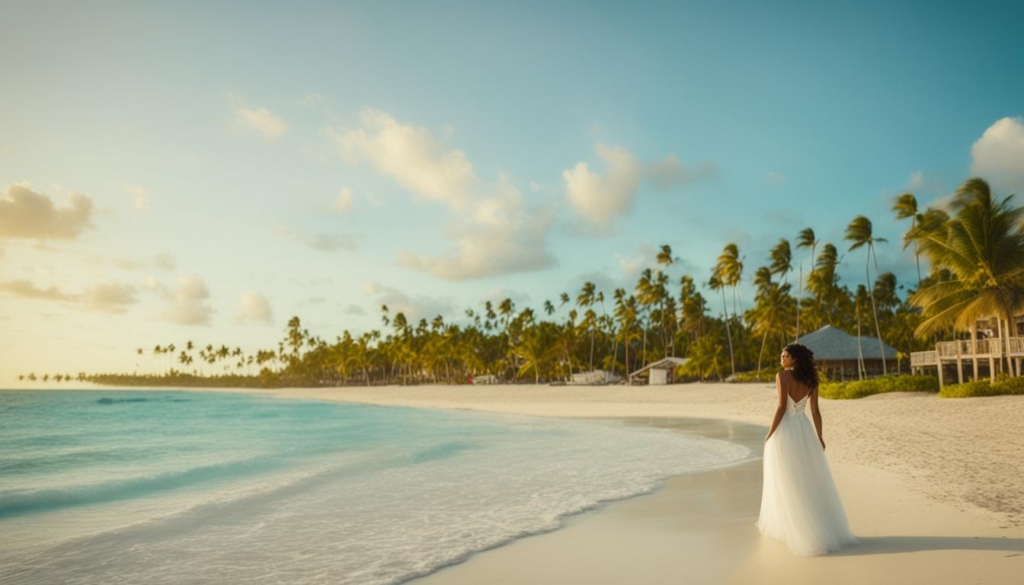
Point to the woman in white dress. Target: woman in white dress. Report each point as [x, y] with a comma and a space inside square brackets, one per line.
[799, 502]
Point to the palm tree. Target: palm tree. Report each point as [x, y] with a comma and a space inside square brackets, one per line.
[665, 257]
[646, 295]
[586, 300]
[762, 279]
[906, 206]
[626, 313]
[860, 233]
[806, 239]
[821, 283]
[716, 283]
[771, 313]
[693, 307]
[982, 247]
[782, 259]
[730, 270]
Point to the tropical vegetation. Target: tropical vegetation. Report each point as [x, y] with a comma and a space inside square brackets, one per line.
[973, 248]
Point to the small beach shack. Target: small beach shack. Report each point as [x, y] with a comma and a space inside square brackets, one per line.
[485, 379]
[595, 378]
[837, 353]
[660, 372]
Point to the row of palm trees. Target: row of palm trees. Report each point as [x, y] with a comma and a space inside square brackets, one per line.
[975, 251]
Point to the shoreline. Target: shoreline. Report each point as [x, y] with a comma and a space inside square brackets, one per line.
[655, 537]
[933, 487]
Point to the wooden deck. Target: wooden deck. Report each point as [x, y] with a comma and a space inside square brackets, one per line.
[965, 351]
[951, 351]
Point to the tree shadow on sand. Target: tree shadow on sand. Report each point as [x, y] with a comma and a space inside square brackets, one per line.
[880, 545]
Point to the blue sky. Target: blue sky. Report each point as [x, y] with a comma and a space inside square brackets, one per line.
[237, 164]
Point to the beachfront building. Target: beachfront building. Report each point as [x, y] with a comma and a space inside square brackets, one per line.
[983, 356]
[841, 356]
[595, 378]
[660, 372]
[486, 379]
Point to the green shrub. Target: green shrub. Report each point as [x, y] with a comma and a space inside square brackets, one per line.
[1001, 387]
[862, 388]
[767, 375]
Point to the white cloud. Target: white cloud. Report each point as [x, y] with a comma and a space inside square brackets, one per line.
[414, 309]
[254, 308]
[493, 229]
[332, 242]
[410, 155]
[631, 266]
[165, 262]
[916, 181]
[311, 100]
[354, 309]
[153, 285]
[25, 213]
[321, 242]
[113, 297]
[161, 261]
[343, 202]
[520, 299]
[926, 186]
[669, 173]
[773, 179]
[188, 304]
[26, 289]
[261, 120]
[500, 236]
[998, 156]
[120, 263]
[139, 196]
[602, 198]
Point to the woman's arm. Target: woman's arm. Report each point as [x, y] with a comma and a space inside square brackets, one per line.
[816, 416]
[780, 408]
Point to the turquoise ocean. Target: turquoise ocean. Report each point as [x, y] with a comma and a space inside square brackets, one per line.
[119, 487]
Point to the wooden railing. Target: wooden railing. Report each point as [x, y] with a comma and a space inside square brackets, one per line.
[967, 348]
[1016, 346]
[923, 358]
[983, 348]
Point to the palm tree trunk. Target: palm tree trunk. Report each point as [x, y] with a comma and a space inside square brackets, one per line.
[625, 345]
[728, 332]
[761, 354]
[974, 350]
[591, 347]
[1010, 365]
[874, 311]
[799, 297]
[644, 361]
[861, 370]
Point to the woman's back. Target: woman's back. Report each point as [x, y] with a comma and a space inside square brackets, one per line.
[793, 388]
[799, 502]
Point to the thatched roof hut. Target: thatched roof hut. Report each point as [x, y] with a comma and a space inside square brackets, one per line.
[837, 353]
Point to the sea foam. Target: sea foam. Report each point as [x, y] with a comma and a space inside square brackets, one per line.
[305, 492]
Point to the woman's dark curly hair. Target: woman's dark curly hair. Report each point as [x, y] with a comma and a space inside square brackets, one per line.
[804, 369]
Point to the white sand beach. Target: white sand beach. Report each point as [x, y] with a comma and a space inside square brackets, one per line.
[933, 487]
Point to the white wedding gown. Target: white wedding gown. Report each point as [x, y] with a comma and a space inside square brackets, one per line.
[799, 502]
